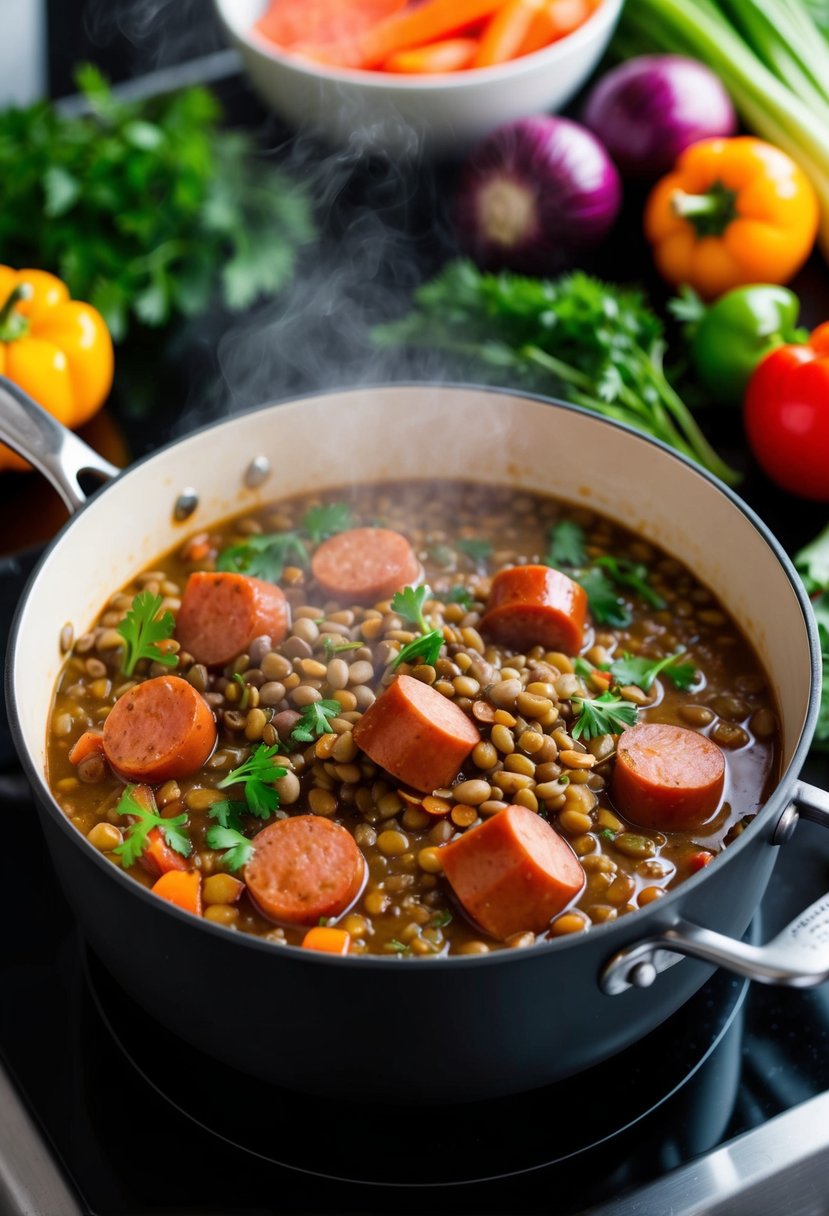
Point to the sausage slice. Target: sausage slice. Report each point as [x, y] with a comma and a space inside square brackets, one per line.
[535, 606]
[364, 565]
[513, 872]
[221, 614]
[304, 868]
[416, 734]
[667, 777]
[159, 730]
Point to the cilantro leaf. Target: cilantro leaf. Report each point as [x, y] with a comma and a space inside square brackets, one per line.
[331, 647]
[142, 629]
[314, 721]
[475, 548]
[565, 545]
[238, 849]
[604, 715]
[633, 575]
[425, 648]
[582, 668]
[324, 521]
[606, 607]
[227, 813]
[409, 602]
[264, 556]
[643, 672]
[460, 595]
[145, 819]
[257, 775]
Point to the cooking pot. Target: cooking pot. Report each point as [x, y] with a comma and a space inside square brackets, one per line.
[454, 1028]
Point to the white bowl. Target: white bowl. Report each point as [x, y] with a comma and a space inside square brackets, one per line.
[443, 113]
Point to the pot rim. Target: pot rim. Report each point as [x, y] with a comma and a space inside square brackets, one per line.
[651, 918]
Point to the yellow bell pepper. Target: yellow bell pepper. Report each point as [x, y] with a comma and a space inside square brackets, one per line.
[56, 349]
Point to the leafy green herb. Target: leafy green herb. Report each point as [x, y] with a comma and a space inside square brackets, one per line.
[475, 548]
[598, 345]
[331, 647]
[322, 522]
[244, 689]
[606, 607]
[565, 545]
[409, 603]
[227, 813]
[607, 834]
[812, 563]
[142, 629]
[257, 775]
[439, 920]
[633, 575]
[135, 836]
[396, 947]
[150, 210]
[238, 849]
[582, 668]
[604, 715]
[425, 648]
[264, 556]
[314, 721]
[441, 555]
[643, 672]
[460, 595]
[821, 609]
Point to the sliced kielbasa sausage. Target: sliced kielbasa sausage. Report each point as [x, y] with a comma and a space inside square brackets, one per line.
[158, 730]
[667, 777]
[364, 565]
[416, 734]
[535, 606]
[221, 614]
[304, 868]
[513, 872]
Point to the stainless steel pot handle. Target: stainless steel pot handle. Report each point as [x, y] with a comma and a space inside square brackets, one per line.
[798, 957]
[53, 450]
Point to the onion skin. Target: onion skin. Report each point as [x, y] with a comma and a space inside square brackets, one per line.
[648, 110]
[533, 195]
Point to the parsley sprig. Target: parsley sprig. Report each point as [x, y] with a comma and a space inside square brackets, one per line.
[145, 819]
[238, 849]
[461, 595]
[409, 602]
[257, 775]
[314, 721]
[600, 577]
[475, 548]
[565, 545]
[326, 520]
[330, 647]
[626, 573]
[604, 715]
[642, 672]
[264, 556]
[426, 648]
[142, 629]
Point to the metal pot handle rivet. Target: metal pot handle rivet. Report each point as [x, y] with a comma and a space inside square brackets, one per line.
[798, 957]
[53, 450]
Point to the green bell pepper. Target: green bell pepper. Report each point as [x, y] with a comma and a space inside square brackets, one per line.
[729, 338]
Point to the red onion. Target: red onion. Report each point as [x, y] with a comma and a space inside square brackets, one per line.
[648, 110]
[534, 194]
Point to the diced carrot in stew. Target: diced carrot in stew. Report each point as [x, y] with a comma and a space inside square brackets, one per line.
[698, 861]
[158, 857]
[90, 742]
[416, 734]
[221, 613]
[304, 868]
[182, 888]
[159, 730]
[327, 939]
[535, 606]
[364, 565]
[667, 777]
[513, 872]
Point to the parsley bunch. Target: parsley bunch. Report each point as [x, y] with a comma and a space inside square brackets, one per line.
[257, 775]
[595, 344]
[148, 209]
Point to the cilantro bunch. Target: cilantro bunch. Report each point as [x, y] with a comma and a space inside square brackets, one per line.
[148, 210]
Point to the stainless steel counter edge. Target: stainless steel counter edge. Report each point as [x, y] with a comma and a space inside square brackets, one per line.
[31, 1183]
[779, 1167]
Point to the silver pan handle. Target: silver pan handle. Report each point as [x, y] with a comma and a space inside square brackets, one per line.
[798, 957]
[53, 450]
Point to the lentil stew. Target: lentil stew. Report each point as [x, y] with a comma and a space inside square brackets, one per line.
[528, 692]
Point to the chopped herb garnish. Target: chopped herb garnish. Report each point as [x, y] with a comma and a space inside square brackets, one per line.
[146, 818]
[257, 775]
[607, 834]
[264, 556]
[582, 668]
[238, 849]
[605, 605]
[604, 715]
[643, 672]
[322, 522]
[440, 919]
[142, 629]
[314, 721]
[409, 602]
[441, 555]
[244, 689]
[331, 647]
[396, 947]
[460, 595]
[633, 575]
[565, 545]
[475, 548]
[227, 813]
[425, 648]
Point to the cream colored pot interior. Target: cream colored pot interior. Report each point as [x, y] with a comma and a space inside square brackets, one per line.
[394, 433]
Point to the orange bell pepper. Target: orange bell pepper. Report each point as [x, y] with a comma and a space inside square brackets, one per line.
[732, 211]
[57, 350]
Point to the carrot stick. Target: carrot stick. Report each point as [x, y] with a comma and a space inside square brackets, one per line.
[288, 22]
[505, 32]
[446, 55]
[555, 19]
[90, 741]
[330, 941]
[182, 888]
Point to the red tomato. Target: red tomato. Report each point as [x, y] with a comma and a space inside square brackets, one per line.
[786, 416]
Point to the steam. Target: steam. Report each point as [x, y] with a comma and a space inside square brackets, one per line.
[161, 32]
